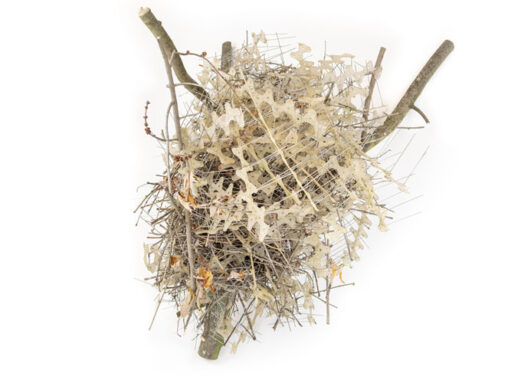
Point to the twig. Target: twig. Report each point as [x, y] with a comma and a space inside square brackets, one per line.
[341, 221]
[280, 48]
[328, 290]
[372, 83]
[324, 301]
[334, 287]
[169, 178]
[410, 127]
[420, 112]
[155, 311]
[247, 317]
[328, 286]
[145, 117]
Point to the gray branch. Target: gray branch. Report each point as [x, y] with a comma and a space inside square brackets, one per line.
[211, 340]
[226, 56]
[411, 95]
[154, 25]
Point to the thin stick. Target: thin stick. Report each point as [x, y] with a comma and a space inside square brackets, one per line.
[372, 83]
[169, 178]
[328, 286]
[341, 221]
[420, 112]
[280, 47]
[155, 311]
[238, 322]
[328, 290]
[411, 95]
[247, 317]
[226, 56]
[335, 287]
[322, 300]
[175, 109]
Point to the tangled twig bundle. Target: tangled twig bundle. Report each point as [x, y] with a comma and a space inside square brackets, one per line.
[268, 171]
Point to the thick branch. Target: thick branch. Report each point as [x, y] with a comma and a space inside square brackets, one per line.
[154, 25]
[226, 56]
[372, 83]
[411, 95]
[211, 340]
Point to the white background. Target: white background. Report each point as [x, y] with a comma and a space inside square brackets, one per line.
[437, 299]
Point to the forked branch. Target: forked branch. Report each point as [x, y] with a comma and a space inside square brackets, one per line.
[411, 95]
[154, 25]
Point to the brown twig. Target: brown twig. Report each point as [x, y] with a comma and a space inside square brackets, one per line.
[148, 131]
[145, 117]
[175, 109]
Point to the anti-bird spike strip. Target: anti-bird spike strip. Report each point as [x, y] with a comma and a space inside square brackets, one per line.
[268, 172]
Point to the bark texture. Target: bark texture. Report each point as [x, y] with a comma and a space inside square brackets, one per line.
[411, 95]
[154, 25]
[211, 340]
[226, 56]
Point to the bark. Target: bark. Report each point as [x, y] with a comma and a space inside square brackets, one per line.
[154, 25]
[211, 340]
[411, 95]
[226, 56]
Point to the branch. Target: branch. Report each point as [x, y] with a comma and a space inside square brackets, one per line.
[173, 105]
[411, 95]
[154, 25]
[226, 56]
[211, 340]
[420, 112]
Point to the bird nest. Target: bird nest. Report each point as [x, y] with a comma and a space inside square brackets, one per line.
[268, 174]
